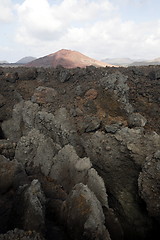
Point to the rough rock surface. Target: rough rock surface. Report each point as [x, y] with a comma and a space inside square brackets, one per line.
[93, 128]
[83, 209]
[12, 175]
[149, 184]
[18, 234]
[44, 95]
[68, 169]
[136, 120]
[36, 150]
[9, 170]
[117, 82]
[7, 148]
[11, 127]
[33, 201]
[118, 159]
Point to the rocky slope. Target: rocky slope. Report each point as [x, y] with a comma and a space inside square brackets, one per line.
[80, 153]
[67, 59]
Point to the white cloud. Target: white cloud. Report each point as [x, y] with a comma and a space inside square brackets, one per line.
[43, 21]
[6, 8]
[92, 27]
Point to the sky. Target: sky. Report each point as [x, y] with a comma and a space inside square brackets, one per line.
[97, 28]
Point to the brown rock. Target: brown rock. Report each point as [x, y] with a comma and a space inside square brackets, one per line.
[91, 94]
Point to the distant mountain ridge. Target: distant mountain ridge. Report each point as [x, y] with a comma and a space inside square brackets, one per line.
[118, 61]
[67, 59]
[25, 60]
[132, 62]
[73, 59]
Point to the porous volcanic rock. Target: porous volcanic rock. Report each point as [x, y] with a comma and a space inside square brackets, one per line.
[95, 129]
[9, 170]
[44, 95]
[31, 212]
[18, 234]
[148, 183]
[7, 148]
[82, 209]
[136, 120]
[118, 158]
[36, 150]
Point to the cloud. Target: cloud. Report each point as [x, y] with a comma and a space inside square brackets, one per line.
[44, 21]
[93, 27]
[6, 11]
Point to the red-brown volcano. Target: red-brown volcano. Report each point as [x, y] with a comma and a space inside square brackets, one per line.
[67, 59]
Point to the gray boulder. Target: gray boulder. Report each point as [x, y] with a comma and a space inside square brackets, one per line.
[117, 83]
[12, 127]
[22, 121]
[136, 120]
[27, 115]
[28, 210]
[7, 148]
[64, 74]
[89, 124]
[36, 150]
[59, 127]
[29, 112]
[112, 128]
[34, 212]
[69, 169]
[139, 143]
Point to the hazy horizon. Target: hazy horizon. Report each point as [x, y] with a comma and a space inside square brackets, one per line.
[97, 28]
[112, 58]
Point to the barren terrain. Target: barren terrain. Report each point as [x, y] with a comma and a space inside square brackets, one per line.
[79, 145]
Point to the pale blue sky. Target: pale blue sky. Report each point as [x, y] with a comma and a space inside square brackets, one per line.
[97, 28]
[138, 10]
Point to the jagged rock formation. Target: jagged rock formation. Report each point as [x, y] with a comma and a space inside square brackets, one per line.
[150, 191]
[83, 209]
[81, 149]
